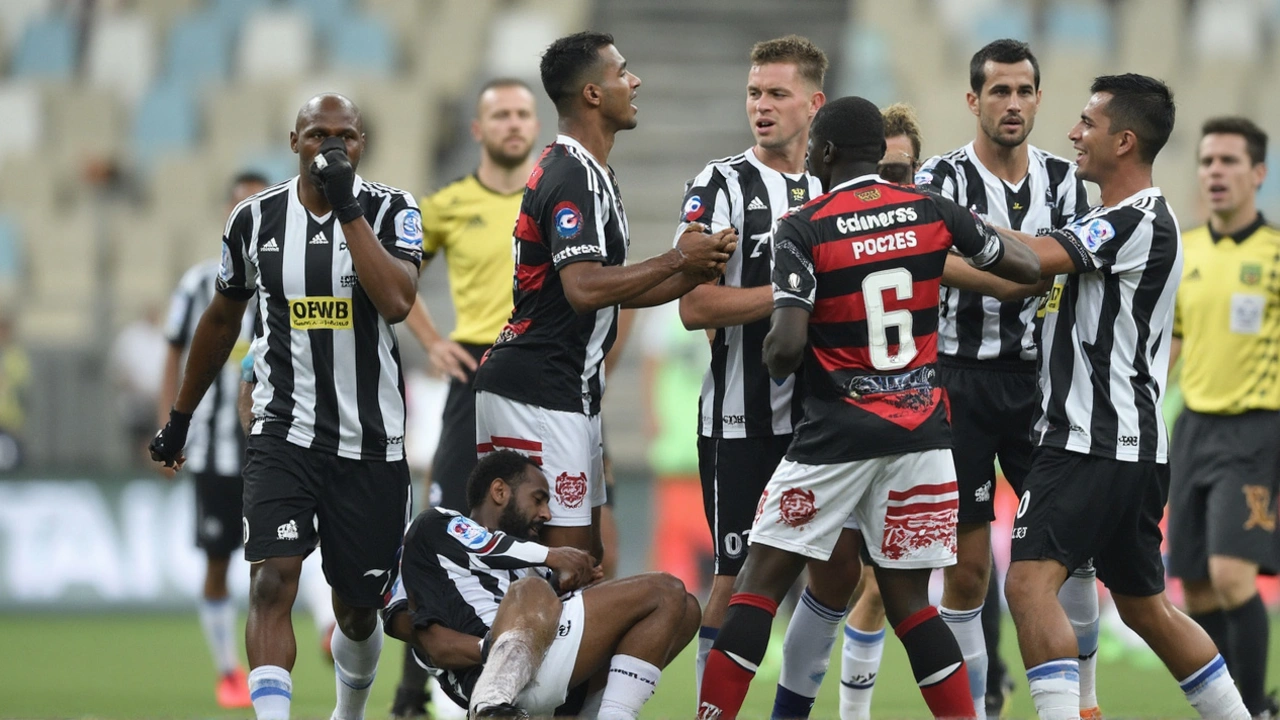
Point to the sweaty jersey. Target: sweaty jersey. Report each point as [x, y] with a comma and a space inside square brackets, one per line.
[974, 327]
[738, 398]
[548, 355]
[866, 260]
[1228, 316]
[328, 365]
[471, 225]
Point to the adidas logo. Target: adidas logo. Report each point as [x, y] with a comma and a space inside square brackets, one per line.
[319, 239]
[1195, 274]
[757, 204]
[271, 246]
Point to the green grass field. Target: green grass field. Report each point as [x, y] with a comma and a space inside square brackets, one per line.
[156, 666]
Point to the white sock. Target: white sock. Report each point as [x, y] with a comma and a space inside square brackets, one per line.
[631, 684]
[706, 638]
[966, 625]
[1079, 598]
[1055, 689]
[270, 689]
[218, 620]
[510, 666]
[806, 649]
[859, 663]
[1213, 694]
[355, 665]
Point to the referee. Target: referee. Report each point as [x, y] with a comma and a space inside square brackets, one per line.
[1226, 462]
[470, 221]
[334, 262]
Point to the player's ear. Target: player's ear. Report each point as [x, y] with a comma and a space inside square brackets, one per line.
[591, 92]
[499, 491]
[1126, 142]
[972, 99]
[1259, 175]
[293, 141]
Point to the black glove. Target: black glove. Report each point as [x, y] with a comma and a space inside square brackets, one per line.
[332, 172]
[166, 446]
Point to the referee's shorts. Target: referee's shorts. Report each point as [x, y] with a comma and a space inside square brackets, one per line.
[456, 451]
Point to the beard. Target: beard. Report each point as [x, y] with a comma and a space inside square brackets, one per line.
[506, 160]
[1003, 140]
[515, 524]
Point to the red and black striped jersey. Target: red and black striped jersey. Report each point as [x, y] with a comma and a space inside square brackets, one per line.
[866, 260]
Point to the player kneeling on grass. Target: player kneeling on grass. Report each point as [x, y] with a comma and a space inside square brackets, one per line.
[478, 602]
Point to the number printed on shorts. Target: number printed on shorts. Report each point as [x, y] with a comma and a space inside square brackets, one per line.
[1023, 502]
[733, 544]
[879, 320]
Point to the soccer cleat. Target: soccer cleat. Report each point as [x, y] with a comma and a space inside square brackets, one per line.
[1000, 699]
[1092, 713]
[501, 710]
[233, 690]
[409, 704]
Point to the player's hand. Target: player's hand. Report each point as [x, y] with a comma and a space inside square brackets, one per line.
[333, 173]
[449, 358]
[704, 255]
[574, 568]
[166, 446]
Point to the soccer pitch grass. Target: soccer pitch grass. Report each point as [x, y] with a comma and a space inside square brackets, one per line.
[157, 666]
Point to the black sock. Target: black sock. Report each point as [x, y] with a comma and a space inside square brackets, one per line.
[1249, 633]
[991, 616]
[1215, 624]
[746, 627]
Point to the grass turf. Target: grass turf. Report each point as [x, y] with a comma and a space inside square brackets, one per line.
[154, 666]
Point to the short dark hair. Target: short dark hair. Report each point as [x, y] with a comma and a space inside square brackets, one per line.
[505, 464]
[566, 61]
[808, 58]
[1143, 105]
[246, 177]
[1005, 51]
[1255, 138]
[852, 123]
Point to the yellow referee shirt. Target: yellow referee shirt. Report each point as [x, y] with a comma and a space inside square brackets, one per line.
[1228, 316]
[473, 225]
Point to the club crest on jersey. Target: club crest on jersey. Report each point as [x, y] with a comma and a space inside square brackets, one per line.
[409, 227]
[224, 272]
[1250, 274]
[568, 220]
[571, 490]
[924, 177]
[868, 195]
[692, 208]
[469, 532]
[796, 507]
[1097, 232]
[798, 195]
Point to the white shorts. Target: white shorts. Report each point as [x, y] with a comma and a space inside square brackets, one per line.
[549, 688]
[567, 445]
[904, 505]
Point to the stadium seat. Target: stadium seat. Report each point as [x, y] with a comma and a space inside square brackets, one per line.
[1003, 20]
[326, 15]
[121, 54]
[1269, 195]
[86, 123]
[516, 41]
[361, 44]
[1079, 25]
[199, 50]
[22, 117]
[164, 122]
[10, 251]
[275, 45]
[47, 49]
[867, 58]
[15, 14]
[1228, 29]
[233, 13]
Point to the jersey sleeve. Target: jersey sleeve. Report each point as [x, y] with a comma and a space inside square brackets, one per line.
[433, 235]
[974, 237]
[496, 550]
[939, 175]
[794, 280]
[237, 273]
[706, 201]
[398, 225]
[1102, 242]
[574, 217]
[1073, 199]
[181, 321]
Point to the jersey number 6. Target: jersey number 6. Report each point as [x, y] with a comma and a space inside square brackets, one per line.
[878, 320]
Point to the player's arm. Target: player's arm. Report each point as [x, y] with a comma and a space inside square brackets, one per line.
[794, 291]
[713, 305]
[446, 356]
[449, 649]
[784, 345]
[1097, 244]
[962, 276]
[984, 247]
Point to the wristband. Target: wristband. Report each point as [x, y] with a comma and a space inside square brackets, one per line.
[349, 212]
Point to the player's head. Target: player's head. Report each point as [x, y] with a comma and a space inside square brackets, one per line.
[1233, 153]
[902, 144]
[585, 73]
[324, 116]
[784, 89]
[515, 486]
[1004, 91]
[847, 138]
[1127, 120]
[249, 182]
[506, 122]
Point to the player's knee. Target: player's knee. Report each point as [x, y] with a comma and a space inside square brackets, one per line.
[1021, 589]
[356, 623]
[1146, 616]
[534, 596]
[968, 582]
[270, 586]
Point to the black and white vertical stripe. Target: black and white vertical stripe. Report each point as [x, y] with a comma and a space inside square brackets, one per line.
[1105, 344]
[738, 398]
[972, 326]
[215, 443]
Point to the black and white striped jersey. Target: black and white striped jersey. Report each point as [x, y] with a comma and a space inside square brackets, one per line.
[454, 572]
[739, 399]
[974, 327]
[215, 443]
[548, 355]
[328, 365]
[1105, 342]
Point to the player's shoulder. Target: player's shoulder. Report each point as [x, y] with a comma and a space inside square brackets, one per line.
[941, 167]
[459, 187]
[382, 190]
[1197, 236]
[726, 167]
[564, 165]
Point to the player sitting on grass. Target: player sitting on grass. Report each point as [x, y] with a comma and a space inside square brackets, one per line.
[476, 602]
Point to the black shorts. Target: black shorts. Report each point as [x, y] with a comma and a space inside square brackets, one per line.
[992, 404]
[734, 472]
[456, 452]
[1222, 498]
[1076, 506]
[219, 500]
[296, 498]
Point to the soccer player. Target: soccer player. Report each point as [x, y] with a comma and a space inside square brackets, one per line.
[1225, 457]
[217, 453]
[470, 221]
[475, 604]
[1099, 474]
[538, 389]
[745, 418]
[855, 278]
[334, 262]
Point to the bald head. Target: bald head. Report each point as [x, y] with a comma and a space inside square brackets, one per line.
[326, 104]
[322, 117]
